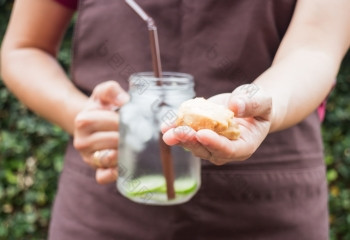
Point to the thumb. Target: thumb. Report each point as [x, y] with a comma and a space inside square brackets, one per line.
[109, 94]
[249, 100]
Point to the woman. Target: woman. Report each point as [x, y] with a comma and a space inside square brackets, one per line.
[291, 50]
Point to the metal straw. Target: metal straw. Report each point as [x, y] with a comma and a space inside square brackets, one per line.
[167, 162]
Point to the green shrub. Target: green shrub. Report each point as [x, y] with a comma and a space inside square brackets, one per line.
[31, 154]
[336, 135]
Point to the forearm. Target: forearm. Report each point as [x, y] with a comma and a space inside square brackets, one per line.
[307, 61]
[298, 83]
[37, 79]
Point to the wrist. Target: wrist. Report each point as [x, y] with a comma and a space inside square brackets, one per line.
[73, 104]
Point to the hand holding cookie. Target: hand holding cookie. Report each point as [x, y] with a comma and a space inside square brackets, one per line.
[200, 114]
[224, 128]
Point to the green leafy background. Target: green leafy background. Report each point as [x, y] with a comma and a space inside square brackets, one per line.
[31, 155]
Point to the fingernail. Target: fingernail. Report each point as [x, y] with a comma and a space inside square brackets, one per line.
[241, 106]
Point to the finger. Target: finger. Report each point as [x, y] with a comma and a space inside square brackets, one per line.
[170, 138]
[103, 158]
[178, 135]
[109, 94]
[110, 160]
[97, 120]
[106, 175]
[197, 149]
[186, 137]
[250, 101]
[97, 157]
[221, 99]
[164, 127]
[222, 148]
[96, 141]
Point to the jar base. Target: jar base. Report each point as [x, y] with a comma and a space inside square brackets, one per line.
[151, 190]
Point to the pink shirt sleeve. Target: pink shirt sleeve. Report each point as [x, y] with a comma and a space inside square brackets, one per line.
[73, 4]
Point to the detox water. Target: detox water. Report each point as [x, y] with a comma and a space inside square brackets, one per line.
[141, 176]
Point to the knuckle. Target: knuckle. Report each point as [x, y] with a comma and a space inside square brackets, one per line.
[81, 121]
[80, 144]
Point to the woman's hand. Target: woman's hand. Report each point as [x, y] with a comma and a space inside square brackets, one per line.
[96, 130]
[253, 112]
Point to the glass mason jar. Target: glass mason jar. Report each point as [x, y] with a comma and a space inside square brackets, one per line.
[151, 172]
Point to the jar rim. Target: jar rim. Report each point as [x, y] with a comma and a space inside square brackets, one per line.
[166, 78]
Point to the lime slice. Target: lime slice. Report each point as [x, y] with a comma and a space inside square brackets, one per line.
[185, 185]
[155, 184]
[151, 183]
[182, 186]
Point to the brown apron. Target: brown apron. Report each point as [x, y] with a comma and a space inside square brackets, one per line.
[280, 193]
